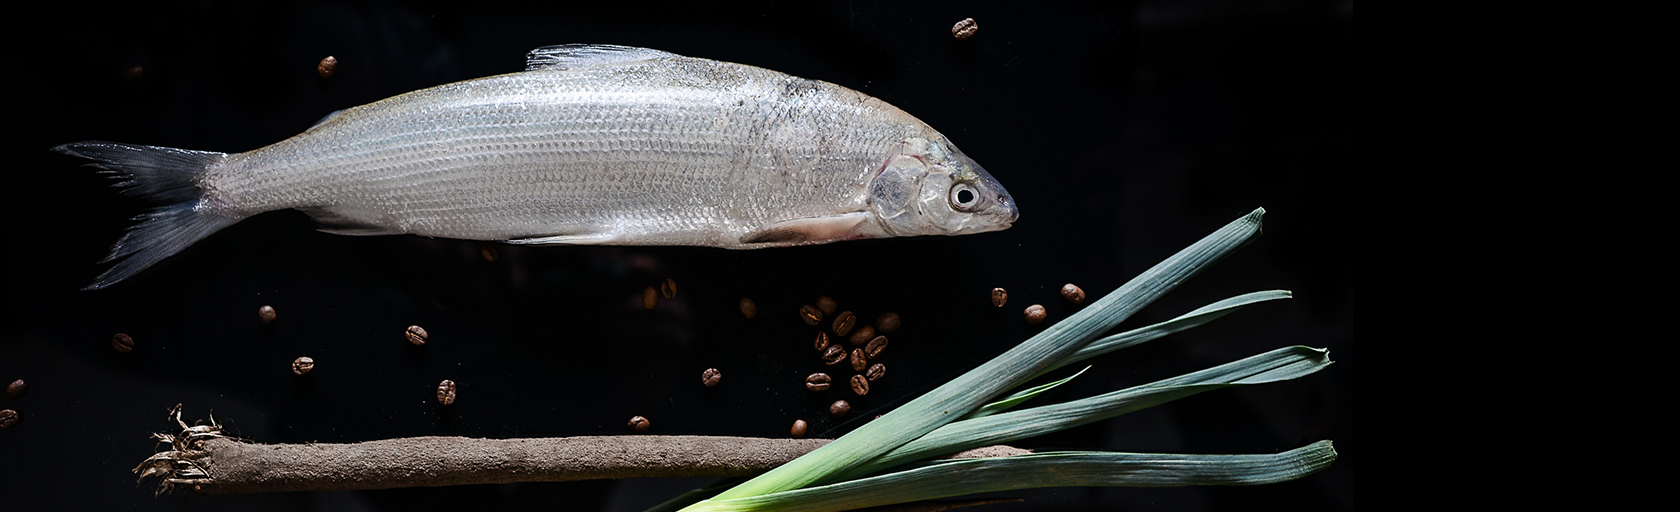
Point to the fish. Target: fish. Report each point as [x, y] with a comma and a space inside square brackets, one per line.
[589, 145]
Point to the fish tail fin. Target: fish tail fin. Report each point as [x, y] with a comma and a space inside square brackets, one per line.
[167, 176]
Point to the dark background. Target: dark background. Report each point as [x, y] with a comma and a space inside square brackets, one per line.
[1125, 130]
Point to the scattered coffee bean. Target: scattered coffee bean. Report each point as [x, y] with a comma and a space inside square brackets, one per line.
[749, 308]
[999, 297]
[16, 389]
[327, 66]
[303, 365]
[822, 342]
[122, 343]
[650, 297]
[668, 289]
[839, 408]
[862, 335]
[10, 417]
[875, 347]
[964, 29]
[1035, 314]
[416, 335]
[488, 252]
[859, 361]
[810, 314]
[860, 385]
[798, 429]
[640, 425]
[833, 355]
[818, 382]
[711, 377]
[1072, 294]
[876, 371]
[266, 314]
[446, 392]
[843, 323]
[826, 304]
[888, 323]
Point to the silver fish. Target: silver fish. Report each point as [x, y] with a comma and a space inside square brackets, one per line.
[591, 144]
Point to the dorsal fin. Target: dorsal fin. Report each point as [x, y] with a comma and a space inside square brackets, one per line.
[576, 56]
[324, 120]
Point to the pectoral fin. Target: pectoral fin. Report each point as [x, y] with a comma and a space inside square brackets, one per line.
[809, 230]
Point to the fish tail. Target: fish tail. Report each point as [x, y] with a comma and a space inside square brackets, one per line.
[165, 176]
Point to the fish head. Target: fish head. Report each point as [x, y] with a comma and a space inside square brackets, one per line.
[928, 187]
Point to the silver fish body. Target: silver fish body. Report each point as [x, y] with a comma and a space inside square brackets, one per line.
[590, 145]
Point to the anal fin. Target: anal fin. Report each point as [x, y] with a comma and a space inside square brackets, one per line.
[328, 221]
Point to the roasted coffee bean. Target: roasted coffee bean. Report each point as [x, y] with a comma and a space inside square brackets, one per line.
[10, 417]
[488, 252]
[749, 308]
[327, 66]
[875, 347]
[964, 29]
[650, 297]
[839, 408]
[860, 385]
[1072, 294]
[16, 389]
[266, 314]
[446, 392]
[876, 371]
[833, 355]
[822, 342]
[122, 342]
[862, 335]
[859, 361]
[303, 365]
[888, 323]
[818, 382]
[844, 322]
[640, 425]
[798, 429]
[826, 304]
[668, 289]
[416, 335]
[134, 73]
[999, 297]
[711, 377]
[1035, 314]
[811, 315]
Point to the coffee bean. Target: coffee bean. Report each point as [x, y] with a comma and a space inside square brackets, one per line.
[876, 371]
[843, 323]
[416, 335]
[888, 323]
[811, 315]
[818, 382]
[1072, 294]
[122, 343]
[134, 73]
[446, 392]
[875, 347]
[488, 252]
[668, 289]
[711, 377]
[749, 308]
[266, 314]
[999, 297]
[833, 355]
[303, 365]
[16, 389]
[1035, 314]
[650, 297]
[859, 361]
[640, 425]
[862, 335]
[964, 29]
[860, 385]
[826, 304]
[839, 408]
[798, 429]
[327, 66]
[822, 342]
[10, 417]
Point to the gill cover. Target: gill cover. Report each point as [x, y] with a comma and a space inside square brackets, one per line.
[928, 187]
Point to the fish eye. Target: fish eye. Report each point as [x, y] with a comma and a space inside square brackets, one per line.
[964, 197]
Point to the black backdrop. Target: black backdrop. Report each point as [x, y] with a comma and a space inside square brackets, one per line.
[1125, 130]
